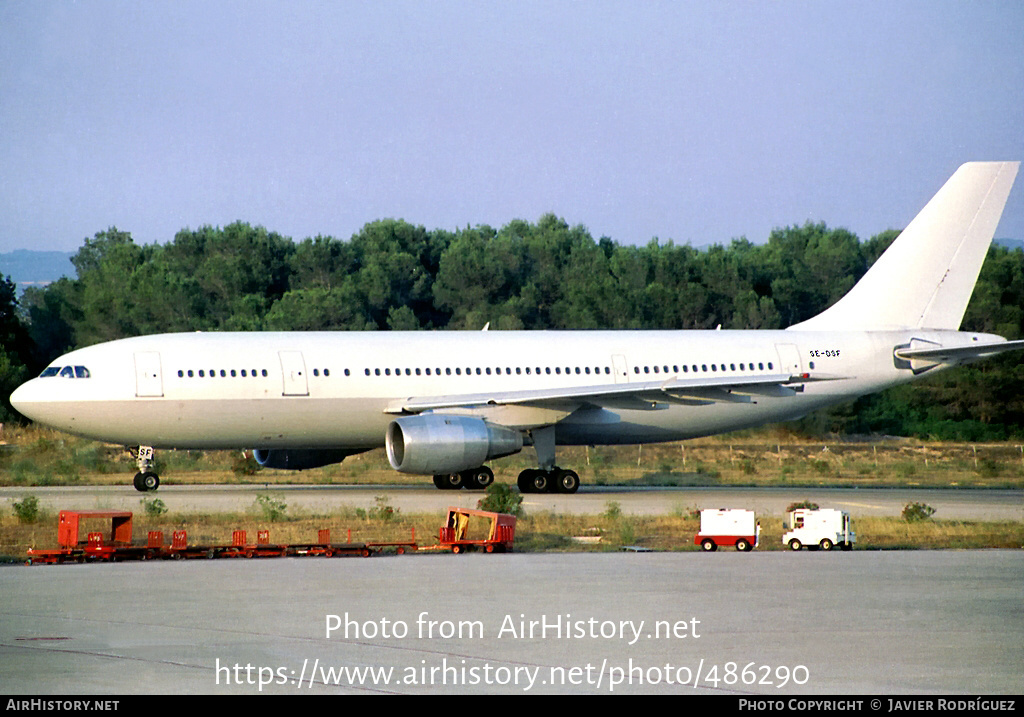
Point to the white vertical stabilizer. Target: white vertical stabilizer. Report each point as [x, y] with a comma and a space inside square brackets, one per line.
[925, 279]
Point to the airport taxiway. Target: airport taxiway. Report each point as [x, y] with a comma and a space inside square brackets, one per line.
[950, 504]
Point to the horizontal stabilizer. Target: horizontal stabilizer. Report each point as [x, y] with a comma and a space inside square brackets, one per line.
[959, 354]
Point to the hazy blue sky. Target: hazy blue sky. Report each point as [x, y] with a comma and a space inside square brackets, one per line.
[691, 121]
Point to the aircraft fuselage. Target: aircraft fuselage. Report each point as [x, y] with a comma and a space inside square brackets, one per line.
[339, 389]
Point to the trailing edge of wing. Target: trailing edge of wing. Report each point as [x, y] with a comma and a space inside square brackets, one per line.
[678, 390]
[957, 354]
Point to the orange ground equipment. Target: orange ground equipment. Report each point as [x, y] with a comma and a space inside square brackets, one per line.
[96, 545]
[118, 545]
[459, 534]
[499, 538]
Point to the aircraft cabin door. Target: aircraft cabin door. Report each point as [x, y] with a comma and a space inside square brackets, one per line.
[789, 359]
[148, 377]
[293, 366]
[620, 369]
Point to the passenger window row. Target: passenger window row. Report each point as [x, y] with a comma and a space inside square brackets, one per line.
[83, 372]
[224, 373]
[244, 373]
[488, 371]
[703, 368]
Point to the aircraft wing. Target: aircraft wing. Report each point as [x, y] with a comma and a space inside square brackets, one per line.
[549, 405]
[959, 354]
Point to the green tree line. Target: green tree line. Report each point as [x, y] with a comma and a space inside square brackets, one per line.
[393, 275]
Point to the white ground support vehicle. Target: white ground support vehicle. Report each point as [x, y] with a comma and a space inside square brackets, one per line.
[823, 528]
[728, 526]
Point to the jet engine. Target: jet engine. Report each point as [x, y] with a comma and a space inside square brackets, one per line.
[301, 459]
[437, 444]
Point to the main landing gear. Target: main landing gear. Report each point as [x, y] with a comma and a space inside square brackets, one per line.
[549, 478]
[556, 480]
[476, 479]
[145, 480]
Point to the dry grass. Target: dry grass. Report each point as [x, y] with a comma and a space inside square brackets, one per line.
[543, 532]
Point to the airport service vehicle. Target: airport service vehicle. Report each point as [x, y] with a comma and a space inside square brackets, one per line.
[728, 526]
[823, 528]
[463, 530]
[444, 403]
[494, 532]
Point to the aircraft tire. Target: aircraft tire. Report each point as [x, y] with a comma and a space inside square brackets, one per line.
[149, 481]
[566, 481]
[525, 481]
[479, 479]
[449, 481]
[540, 482]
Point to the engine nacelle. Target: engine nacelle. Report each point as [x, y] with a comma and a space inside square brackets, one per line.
[437, 444]
[299, 459]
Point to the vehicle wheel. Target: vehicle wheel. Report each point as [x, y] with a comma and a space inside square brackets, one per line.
[456, 549]
[847, 546]
[708, 545]
[742, 545]
[452, 481]
[794, 544]
[540, 482]
[567, 481]
[825, 544]
[149, 481]
[480, 478]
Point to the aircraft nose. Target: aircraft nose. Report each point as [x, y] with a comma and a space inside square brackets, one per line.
[24, 398]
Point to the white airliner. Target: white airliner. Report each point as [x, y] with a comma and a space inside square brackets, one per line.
[443, 403]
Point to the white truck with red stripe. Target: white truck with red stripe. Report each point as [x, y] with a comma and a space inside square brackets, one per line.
[728, 526]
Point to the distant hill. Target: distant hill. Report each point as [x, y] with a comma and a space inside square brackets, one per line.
[36, 268]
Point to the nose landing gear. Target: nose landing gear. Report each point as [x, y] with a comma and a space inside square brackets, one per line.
[145, 480]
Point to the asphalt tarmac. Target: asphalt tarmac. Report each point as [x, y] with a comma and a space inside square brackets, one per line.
[725, 623]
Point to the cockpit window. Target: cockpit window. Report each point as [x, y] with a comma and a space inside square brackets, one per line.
[66, 372]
